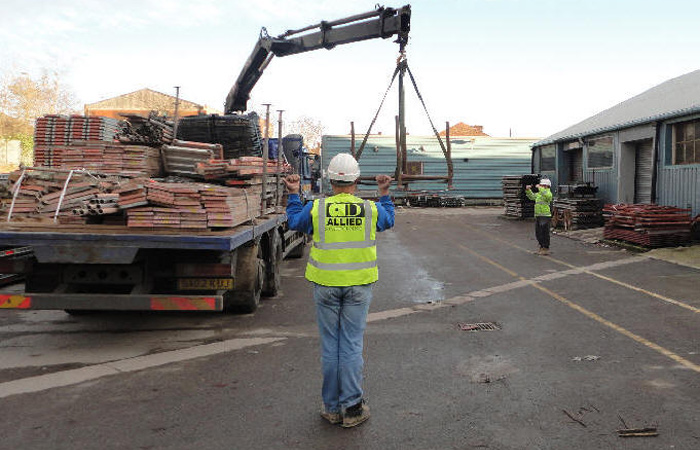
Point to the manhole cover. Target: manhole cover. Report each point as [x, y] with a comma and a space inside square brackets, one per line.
[481, 326]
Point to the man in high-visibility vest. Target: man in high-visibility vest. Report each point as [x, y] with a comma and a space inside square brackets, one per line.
[543, 213]
[343, 268]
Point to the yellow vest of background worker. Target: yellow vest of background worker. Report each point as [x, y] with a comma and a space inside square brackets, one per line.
[344, 250]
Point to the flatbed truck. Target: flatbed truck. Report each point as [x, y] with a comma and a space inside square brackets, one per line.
[119, 268]
[115, 268]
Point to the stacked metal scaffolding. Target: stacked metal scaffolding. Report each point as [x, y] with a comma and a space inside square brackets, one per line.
[151, 130]
[647, 225]
[54, 134]
[239, 134]
[576, 207]
[107, 172]
[435, 201]
[517, 205]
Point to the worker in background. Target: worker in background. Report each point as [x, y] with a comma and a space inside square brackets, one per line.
[343, 268]
[543, 213]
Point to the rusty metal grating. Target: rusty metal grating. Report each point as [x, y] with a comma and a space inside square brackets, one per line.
[480, 326]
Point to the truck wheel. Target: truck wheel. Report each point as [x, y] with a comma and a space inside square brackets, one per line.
[250, 272]
[273, 278]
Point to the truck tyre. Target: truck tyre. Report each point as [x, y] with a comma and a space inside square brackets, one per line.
[273, 277]
[298, 251]
[250, 272]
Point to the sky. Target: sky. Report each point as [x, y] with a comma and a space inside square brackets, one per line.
[521, 68]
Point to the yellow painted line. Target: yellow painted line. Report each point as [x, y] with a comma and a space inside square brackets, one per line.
[488, 260]
[644, 291]
[619, 329]
[668, 353]
[602, 277]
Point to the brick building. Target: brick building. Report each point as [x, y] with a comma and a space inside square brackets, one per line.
[142, 102]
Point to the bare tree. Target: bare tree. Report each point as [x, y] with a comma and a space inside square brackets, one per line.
[311, 129]
[23, 99]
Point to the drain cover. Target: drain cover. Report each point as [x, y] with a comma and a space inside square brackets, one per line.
[481, 326]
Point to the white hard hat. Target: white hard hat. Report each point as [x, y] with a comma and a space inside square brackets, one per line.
[343, 168]
[545, 182]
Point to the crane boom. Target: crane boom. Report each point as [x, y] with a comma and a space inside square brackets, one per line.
[380, 23]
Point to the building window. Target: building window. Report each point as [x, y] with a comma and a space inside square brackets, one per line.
[600, 152]
[686, 142]
[547, 158]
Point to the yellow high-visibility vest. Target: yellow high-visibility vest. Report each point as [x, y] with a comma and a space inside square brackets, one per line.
[344, 250]
[542, 200]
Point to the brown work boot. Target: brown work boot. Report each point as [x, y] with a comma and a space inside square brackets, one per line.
[355, 415]
[331, 417]
[544, 252]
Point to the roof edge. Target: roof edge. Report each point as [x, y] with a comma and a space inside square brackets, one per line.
[139, 90]
[620, 126]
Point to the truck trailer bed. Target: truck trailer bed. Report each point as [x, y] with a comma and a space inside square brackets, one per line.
[44, 235]
[100, 267]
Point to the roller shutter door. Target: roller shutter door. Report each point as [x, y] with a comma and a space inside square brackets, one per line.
[644, 165]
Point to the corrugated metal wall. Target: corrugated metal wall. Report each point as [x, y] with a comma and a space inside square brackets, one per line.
[676, 185]
[479, 162]
[606, 180]
[679, 186]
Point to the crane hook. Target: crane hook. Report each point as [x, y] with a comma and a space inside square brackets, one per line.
[402, 57]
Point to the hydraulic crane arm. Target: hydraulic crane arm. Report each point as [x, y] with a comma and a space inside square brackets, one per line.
[380, 23]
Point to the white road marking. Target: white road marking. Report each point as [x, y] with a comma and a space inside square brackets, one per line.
[482, 293]
[75, 376]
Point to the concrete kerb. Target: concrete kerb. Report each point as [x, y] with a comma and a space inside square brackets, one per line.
[684, 256]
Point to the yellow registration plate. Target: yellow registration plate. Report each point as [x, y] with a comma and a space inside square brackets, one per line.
[204, 284]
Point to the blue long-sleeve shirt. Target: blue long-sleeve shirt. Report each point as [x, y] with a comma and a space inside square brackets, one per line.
[299, 215]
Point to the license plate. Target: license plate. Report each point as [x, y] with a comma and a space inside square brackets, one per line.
[205, 284]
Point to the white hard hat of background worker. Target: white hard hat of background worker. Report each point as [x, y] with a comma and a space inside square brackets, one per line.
[545, 182]
[343, 169]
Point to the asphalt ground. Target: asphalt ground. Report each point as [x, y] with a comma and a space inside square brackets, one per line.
[590, 340]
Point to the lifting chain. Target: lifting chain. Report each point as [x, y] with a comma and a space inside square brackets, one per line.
[402, 65]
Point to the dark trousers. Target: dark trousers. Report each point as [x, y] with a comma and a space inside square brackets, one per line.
[542, 230]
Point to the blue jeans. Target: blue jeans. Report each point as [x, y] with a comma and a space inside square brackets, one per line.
[342, 316]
